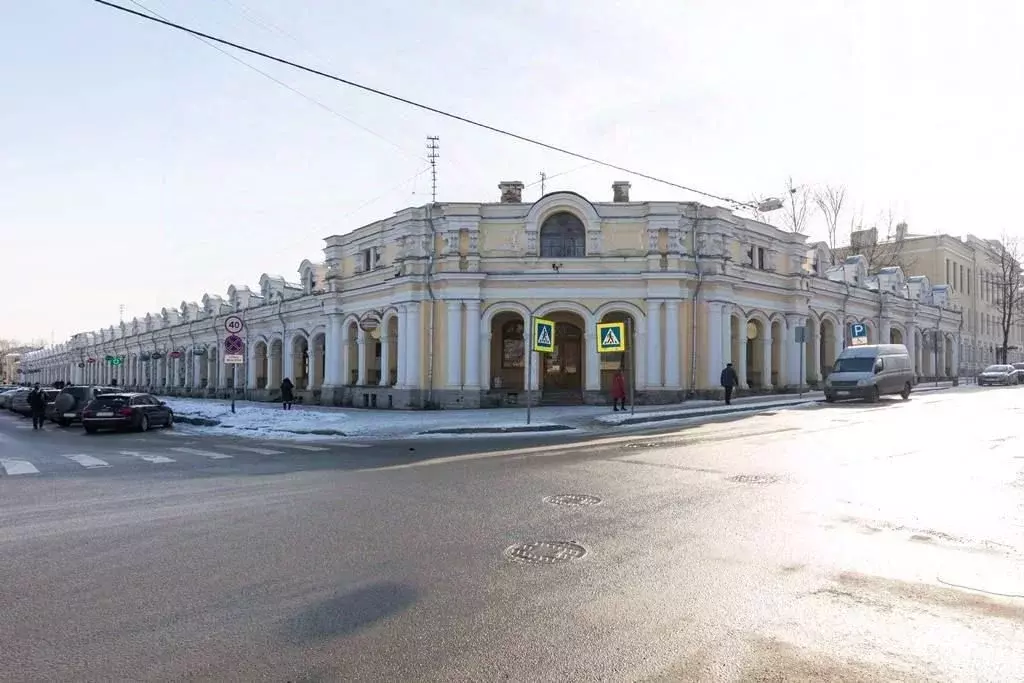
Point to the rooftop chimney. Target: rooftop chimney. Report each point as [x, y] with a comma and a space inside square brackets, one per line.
[901, 231]
[620, 191]
[511, 191]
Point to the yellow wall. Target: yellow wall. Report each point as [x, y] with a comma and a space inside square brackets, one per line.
[623, 239]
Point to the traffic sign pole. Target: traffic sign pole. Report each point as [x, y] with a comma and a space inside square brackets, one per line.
[632, 365]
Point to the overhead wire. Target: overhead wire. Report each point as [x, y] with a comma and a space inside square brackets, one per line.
[425, 107]
[156, 16]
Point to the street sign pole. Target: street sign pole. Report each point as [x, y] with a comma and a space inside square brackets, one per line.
[528, 349]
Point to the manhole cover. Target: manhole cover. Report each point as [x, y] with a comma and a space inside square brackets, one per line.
[759, 479]
[572, 499]
[545, 552]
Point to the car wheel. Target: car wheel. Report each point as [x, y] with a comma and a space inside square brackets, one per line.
[144, 424]
[830, 399]
[905, 394]
[90, 430]
[873, 395]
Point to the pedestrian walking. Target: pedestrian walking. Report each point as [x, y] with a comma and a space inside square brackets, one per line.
[729, 380]
[287, 393]
[618, 391]
[37, 404]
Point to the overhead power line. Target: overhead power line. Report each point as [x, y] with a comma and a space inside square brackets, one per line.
[425, 107]
[281, 83]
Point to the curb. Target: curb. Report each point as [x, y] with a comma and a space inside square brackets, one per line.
[501, 430]
[708, 413]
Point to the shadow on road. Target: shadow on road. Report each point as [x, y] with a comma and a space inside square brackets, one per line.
[349, 613]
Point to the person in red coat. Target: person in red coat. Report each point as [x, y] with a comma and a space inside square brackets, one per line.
[618, 391]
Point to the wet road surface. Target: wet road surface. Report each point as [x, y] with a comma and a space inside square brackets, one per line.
[846, 542]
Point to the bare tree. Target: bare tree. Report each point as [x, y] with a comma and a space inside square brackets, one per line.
[883, 244]
[1007, 284]
[830, 201]
[759, 215]
[798, 208]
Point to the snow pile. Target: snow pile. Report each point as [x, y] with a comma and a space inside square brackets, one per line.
[694, 409]
[270, 420]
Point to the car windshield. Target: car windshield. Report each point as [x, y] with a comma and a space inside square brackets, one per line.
[856, 364]
[998, 368]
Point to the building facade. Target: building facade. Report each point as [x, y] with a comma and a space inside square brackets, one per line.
[974, 270]
[431, 307]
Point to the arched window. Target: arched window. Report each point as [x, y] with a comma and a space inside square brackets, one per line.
[563, 235]
[512, 350]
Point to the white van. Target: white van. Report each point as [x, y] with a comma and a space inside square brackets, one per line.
[868, 372]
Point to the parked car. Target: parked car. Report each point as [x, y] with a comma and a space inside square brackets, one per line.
[19, 403]
[6, 396]
[869, 372]
[125, 411]
[72, 401]
[1002, 375]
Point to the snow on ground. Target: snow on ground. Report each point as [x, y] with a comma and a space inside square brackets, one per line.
[310, 423]
[270, 420]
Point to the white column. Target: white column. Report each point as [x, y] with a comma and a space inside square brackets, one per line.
[673, 342]
[361, 364]
[792, 352]
[908, 341]
[713, 363]
[726, 336]
[197, 371]
[453, 347]
[473, 344]
[816, 346]
[766, 360]
[653, 345]
[287, 359]
[333, 370]
[402, 343]
[956, 359]
[741, 362]
[385, 358]
[592, 365]
[413, 346]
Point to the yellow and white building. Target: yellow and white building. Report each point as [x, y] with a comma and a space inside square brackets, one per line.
[431, 307]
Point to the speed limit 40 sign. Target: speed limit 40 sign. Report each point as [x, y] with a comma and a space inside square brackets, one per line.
[233, 324]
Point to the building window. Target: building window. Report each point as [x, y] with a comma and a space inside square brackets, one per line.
[961, 287]
[968, 280]
[563, 235]
[512, 355]
[760, 258]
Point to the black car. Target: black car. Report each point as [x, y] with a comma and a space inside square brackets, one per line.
[72, 401]
[125, 411]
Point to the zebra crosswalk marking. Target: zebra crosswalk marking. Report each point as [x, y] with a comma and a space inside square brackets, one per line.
[155, 459]
[252, 449]
[14, 467]
[87, 461]
[197, 451]
[298, 447]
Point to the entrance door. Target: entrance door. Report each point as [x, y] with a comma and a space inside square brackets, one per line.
[563, 368]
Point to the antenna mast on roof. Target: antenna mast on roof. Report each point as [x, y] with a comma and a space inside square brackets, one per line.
[432, 156]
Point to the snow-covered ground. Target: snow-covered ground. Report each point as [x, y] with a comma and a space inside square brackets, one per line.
[311, 423]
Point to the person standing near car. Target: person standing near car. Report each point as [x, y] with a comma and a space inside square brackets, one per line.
[37, 404]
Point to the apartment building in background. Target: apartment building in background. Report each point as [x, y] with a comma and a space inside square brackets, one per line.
[972, 269]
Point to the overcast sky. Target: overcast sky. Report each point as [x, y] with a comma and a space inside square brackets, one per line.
[141, 167]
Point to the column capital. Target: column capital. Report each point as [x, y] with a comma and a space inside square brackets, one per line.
[472, 304]
[454, 304]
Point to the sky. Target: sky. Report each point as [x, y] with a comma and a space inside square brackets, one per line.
[140, 167]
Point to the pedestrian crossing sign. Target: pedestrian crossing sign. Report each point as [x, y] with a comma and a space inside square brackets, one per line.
[611, 337]
[543, 335]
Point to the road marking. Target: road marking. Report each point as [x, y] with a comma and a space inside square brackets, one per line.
[23, 426]
[87, 461]
[312, 449]
[353, 445]
[13, 467]
[156, 459]
[249, 449]
[196, 451]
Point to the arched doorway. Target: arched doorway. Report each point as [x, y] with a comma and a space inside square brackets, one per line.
[562, 377]
[827, 350]
[508, 355]
[260, 361]
[778, 377]
[895, 336]
[300, 362]
[317, 360]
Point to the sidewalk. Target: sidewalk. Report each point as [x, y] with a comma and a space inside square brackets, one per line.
[321, 422]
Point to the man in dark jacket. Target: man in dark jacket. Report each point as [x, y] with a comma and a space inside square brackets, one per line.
[287, 394]
[37, 404]
[729, 381]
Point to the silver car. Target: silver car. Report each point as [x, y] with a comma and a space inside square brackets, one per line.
[1002, 375]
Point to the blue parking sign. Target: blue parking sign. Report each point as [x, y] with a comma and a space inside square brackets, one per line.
[858, 334]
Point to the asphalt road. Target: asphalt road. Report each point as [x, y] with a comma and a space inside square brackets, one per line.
[841, 543]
